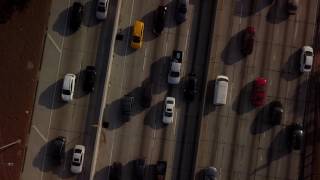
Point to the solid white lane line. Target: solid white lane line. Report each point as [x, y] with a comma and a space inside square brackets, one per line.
[39, 133]
[54, 92]
[54, 43]
[144, 58]
[121, 86]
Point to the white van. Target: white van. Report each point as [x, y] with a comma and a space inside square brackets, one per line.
[221, 90]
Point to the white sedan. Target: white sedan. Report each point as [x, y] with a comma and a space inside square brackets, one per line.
[306, 60]
[168, 112]
[102, 9]
[68, 87]
[77, 159]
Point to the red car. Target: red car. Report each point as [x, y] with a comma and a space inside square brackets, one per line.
[258, 93]
[248, 40]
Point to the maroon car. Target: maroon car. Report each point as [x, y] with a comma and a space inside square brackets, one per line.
[248, 40]
[258, 93]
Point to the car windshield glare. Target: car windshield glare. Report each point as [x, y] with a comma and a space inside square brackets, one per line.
[66, 92]
[136, 39]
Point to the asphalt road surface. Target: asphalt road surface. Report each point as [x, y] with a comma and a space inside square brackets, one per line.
[236, 138]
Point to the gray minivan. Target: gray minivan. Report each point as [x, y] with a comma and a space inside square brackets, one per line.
[221, 90]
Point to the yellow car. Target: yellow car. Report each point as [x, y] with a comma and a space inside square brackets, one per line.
[137, 34]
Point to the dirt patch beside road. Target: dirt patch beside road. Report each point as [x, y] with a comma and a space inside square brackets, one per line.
[21, 45]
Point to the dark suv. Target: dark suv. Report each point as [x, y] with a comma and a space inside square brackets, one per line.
[275, 112]
[160, 19]
[296, 136]
[191, 88]
[248, 40]
[58, 149]
[181, 12]
[139, 168]
[127, 105]
[116, 171]
[90, 78]
[76, 16]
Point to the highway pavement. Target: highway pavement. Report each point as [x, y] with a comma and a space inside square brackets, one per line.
[67, 52]
[144, 135]
[236, 138]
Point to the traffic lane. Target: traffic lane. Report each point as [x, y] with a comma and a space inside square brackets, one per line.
[50, 97]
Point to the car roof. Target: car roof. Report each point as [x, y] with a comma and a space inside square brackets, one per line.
[175, 66]
[137, 27]
[261, 81]
[68, 78]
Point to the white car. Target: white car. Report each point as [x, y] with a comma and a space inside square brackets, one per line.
[77, 159]
[174, 75]
[306, 60]
[168, 112]
[102, 9]
[68, 87]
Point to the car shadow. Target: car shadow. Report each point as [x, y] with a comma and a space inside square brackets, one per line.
[51, 96]
[242, 102]
[200, 174]
[209, 107]
[45, 163]
[278, 12]
[261, 122]
[122, 46]
[159, 74]
[291, 70]
[279, 147]
[232, 53]
[153, 116]
[245, 8]
[62, 23]
[79, 86]
[89, 9]
[113, 117]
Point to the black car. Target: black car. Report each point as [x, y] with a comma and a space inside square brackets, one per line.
[147, 96]
[127, 105]
[76, 16]
[161, 168]
[58, 149]
[139, 168]
[191, 89]
[90, 78]
[181, 12]
[297, 134]
[160, 19]
[248, 40]
[210, 173]
[275, 112]
[116, 171]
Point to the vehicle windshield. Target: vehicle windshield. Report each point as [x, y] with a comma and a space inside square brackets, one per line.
[77, 151]
[308, 53]
[307, 67]
[101, 9]
[168, 114]
[136, 39]
[174, 74]
[75, 163]
[66, 92]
